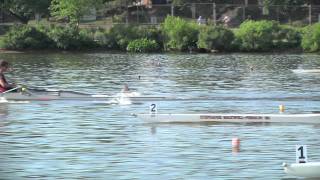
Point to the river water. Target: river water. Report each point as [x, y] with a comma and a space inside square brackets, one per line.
[97, 140]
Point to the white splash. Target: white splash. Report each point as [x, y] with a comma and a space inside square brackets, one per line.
[123, 98]
[18, 102]
[3, 100]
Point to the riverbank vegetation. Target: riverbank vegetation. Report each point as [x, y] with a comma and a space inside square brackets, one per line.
[62, 31]
[175, 34]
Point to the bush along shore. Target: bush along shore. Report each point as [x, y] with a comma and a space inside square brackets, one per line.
[175, 34]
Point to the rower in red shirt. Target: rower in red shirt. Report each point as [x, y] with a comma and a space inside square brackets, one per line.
[4, 85]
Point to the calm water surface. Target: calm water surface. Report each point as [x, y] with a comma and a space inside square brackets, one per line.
[97, 140]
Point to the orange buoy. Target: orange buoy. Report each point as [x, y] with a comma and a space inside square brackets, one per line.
[235, 142]
[235, 145]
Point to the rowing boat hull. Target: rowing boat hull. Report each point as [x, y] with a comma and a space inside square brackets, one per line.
[43, 95]
[307, 170]
[232, 118]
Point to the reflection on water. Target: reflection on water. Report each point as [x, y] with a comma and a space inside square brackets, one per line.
[97, 140]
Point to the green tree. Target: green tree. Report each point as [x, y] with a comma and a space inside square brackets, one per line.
[215, 37]
[256, 35]
[286, 3]
[179, 33]
[311, 38]
[73, 9]
[24, 10]
[288, 7]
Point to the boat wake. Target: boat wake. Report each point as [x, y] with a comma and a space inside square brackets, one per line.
[123, 98]
[5, 101]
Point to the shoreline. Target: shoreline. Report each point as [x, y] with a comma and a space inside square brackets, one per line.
[99, 50]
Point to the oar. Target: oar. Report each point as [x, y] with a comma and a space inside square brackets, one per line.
[10, 90]
[23, 89]
[3, 99]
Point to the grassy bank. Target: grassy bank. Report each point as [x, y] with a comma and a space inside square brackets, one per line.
[175, 34]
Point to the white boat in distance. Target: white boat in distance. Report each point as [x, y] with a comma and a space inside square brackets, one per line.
[306, 71]
[306, 170]
[230, 118]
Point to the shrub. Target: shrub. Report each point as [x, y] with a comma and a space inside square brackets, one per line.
[4, 29]
[311, 38]
[100, 37]
[143, 45]
[25, 37]
[179, 34]
[121, 35]
[215, 37]
[86, 38]
[151, 33]
[287, 37]
[256, 35]
[64, 38]
[70, 37]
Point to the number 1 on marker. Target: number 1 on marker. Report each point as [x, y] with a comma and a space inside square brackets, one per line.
[301, 154]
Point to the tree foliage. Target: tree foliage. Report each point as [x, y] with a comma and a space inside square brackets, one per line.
[287, 37]
[73, 9]
[215, 37]
[24, 10]
[143, 45]
[26, 37]
[179, 33]
[288, 7]
[256, 35]
[285, 2]
[311, 38]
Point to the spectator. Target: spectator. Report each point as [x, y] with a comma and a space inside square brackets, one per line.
[199, 20]
[226, 19]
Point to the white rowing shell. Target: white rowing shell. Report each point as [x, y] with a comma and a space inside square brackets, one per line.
[307, 170]
[235, 118]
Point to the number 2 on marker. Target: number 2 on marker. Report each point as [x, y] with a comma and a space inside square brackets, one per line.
[153, 108]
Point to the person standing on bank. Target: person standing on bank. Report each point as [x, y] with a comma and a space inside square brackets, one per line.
[4, 85]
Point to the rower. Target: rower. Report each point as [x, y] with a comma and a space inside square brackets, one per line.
[4, 85]
[125, 89]
[125, 92]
